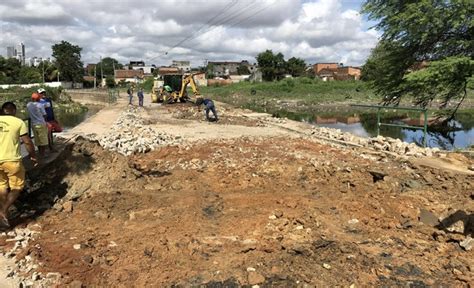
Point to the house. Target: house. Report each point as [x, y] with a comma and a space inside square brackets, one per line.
[184, 66]
[334, 71]
[320, 66]
[134, 76]
[168, 70]
[140, 65]
[226, 68]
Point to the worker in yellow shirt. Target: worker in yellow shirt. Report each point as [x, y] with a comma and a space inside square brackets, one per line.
[12, 172]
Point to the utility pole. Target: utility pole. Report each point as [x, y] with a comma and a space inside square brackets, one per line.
[95, 76]
[42, 64]
[113, 65]
[101, 73]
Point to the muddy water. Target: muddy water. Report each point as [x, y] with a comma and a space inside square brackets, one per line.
[459, 133]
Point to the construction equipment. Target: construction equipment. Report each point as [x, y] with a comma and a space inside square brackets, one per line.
[173, 88]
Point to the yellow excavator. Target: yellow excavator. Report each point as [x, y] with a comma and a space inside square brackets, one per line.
[174, 88]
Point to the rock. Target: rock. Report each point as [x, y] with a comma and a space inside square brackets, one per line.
[76, 284]
[428, 218]
[272, 217]
[251, 269]
[326, 266]
[255, 278]
[76, 246]
[353, 221]
[412, 184]
[278, 213]
[467, 243]
[68, 207]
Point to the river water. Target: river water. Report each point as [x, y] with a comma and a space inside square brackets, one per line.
[459, 134]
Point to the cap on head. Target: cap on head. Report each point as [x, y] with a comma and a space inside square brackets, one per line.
[36, 97]
[41, 90]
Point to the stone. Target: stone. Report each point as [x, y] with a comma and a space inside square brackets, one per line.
[412, 184]
[278, 213]
[467, 243]
[353, 221]
[68, 207]
[76, 284]
[326, 266]
[255, 278]
[76, 246]
[428, 218]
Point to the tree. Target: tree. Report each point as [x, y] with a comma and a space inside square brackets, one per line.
[68, 61]
[296, 66]
[243, 70]
[9, 70]
[107, 65]
[273, 66]
[424, 44]
[29, 75]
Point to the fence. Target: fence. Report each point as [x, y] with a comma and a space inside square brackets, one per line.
[379, 108]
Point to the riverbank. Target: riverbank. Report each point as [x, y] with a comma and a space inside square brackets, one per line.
[301, 95]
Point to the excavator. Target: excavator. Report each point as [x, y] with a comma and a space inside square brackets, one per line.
[174, 88]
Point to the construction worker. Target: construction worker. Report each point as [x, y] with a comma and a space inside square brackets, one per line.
[38, 117]
[209, 107]
[130, 95]
[140, 97]
[53, 125]
[12, 172]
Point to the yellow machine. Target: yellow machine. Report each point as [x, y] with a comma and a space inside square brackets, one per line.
[174, 88]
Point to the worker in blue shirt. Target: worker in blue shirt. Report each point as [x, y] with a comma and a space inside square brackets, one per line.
[209, 107]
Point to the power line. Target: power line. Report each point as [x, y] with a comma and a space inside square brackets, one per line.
[234, 16]
[228, 6]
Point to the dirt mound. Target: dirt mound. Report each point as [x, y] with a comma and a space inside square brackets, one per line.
[266, 212]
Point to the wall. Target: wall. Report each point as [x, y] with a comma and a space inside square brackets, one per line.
[319, 66]
[91, 96]
[66, 85]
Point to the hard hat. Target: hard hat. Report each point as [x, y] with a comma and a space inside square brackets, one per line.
[41, 90]
[36, 97]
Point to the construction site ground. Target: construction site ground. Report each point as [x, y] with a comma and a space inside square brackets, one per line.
[249, 200]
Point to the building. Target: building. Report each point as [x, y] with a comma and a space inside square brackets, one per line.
[33, 61]
[227, 68]
[334, 71]
[320, 66]
[140, 65]
[133, 76]
[11, 52]
[20, 53]
[184, 66]
[163, 70]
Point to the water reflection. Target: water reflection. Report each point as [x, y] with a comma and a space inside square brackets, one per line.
[458, 134]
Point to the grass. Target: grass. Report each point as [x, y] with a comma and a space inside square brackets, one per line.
[309, 90]
[299, 95]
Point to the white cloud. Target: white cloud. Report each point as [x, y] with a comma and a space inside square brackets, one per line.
[321, 30]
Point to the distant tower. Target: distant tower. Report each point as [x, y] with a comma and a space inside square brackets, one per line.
[20, 53]
[11, 52]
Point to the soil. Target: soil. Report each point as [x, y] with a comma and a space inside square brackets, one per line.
[275, 209]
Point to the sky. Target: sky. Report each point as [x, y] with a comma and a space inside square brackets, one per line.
[159, 31]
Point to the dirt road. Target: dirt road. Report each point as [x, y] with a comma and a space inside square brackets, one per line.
[247, 201]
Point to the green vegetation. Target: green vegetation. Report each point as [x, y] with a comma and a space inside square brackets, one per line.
[304, 91]
[68, 61]
[106, 67]
[426, 51]
[63, 105]
[274, 66]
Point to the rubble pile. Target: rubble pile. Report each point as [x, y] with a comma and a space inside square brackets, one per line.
[23, 268]
[130, 135]
[378, 143]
